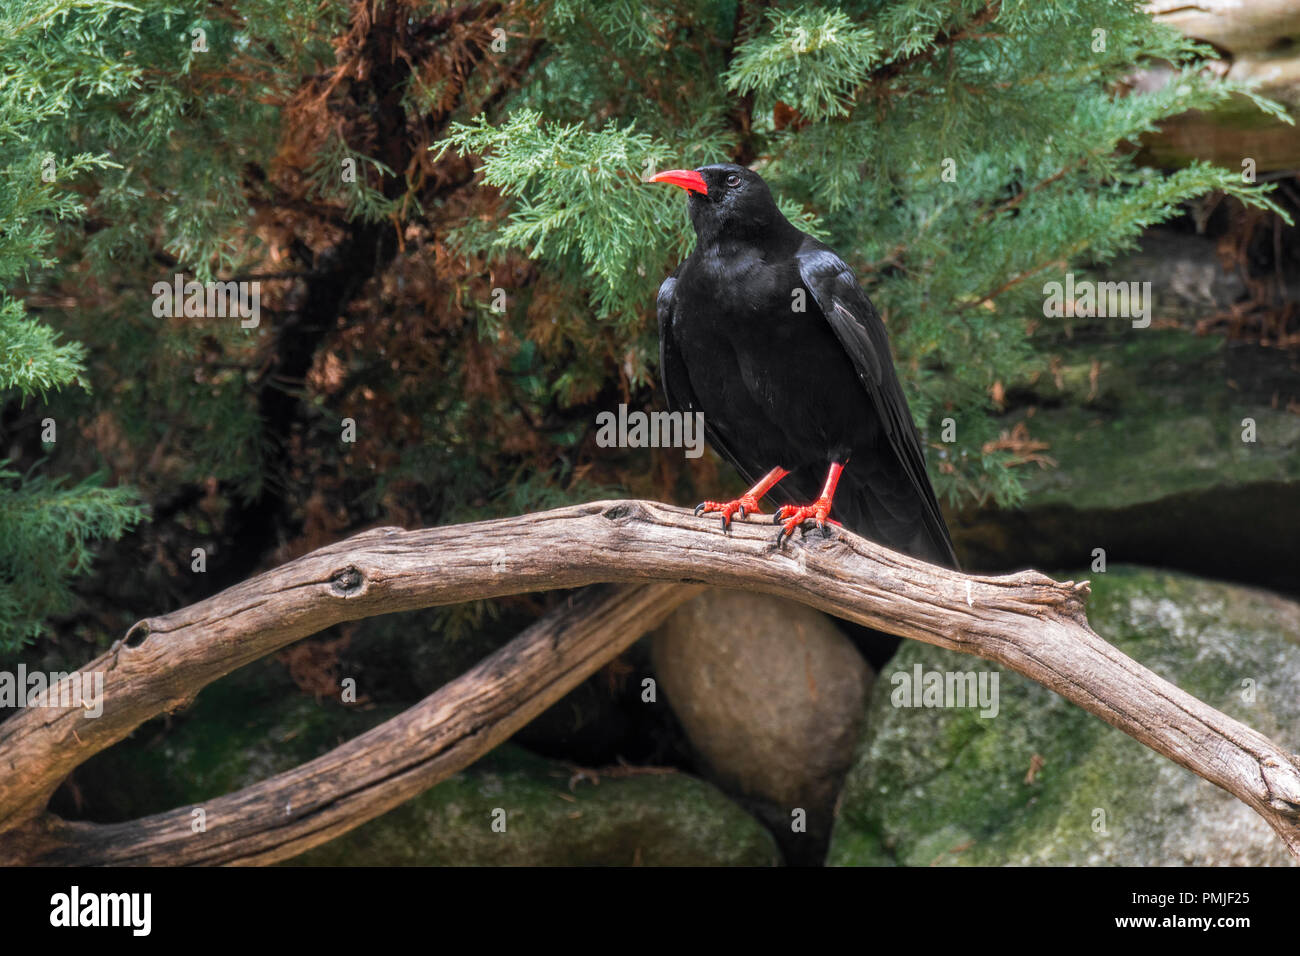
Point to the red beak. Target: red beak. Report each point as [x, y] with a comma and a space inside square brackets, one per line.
[686, 178]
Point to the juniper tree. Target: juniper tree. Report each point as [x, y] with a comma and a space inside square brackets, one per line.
[190, 138]
[46, 526]
[967, 153]
[471, 325]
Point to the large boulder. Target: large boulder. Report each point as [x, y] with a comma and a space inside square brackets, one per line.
[1258, 43]
[1046, 783]
[770, 694]
[550, 814]
[1145, 429]
[255, 723]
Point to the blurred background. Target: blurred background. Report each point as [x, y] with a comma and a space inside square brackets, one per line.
[442, 205]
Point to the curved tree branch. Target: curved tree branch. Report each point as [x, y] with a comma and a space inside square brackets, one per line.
[371, 774]
[1025, 622]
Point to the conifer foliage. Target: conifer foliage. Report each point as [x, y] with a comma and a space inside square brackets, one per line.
[964, 153]
[444, 205]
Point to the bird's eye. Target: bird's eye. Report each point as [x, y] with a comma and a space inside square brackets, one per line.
[733, 180]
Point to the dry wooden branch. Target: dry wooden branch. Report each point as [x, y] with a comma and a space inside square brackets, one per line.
[290, 813]
[1025, 622]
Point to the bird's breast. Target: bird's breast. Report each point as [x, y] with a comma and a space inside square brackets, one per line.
[739, 293]
[758, 350]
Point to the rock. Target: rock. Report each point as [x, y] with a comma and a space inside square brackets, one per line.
[553, 819]
[770, 694]
[1232, 25]
[1034, 785]
[1189, 280]
[255, 723]
[1151, 465]
[1258, 43]
[1236, 131]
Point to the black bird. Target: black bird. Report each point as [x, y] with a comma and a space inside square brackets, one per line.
[766, 331]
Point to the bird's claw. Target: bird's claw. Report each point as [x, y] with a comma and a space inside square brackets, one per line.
[744, 506]
[790, 517]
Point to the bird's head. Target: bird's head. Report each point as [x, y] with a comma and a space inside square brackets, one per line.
[725, 201]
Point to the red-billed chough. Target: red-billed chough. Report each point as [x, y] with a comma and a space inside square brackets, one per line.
[766, 331]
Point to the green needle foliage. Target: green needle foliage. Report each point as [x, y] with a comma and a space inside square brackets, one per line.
[97, 100]
[810, 59]
[445, 202]
[47, 529]
[961, 154]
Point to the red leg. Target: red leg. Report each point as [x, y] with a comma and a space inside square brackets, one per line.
[791, 517]
[746, 503]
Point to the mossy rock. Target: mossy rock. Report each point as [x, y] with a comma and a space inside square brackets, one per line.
[1150, 464]
[1166, 418]
[1046, 783]
[554, 818]
[256, 723]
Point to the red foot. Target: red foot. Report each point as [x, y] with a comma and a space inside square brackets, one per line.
[790, 518]
[746, 504]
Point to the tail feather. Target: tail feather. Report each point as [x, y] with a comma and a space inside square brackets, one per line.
[895, 524]
[901, 529]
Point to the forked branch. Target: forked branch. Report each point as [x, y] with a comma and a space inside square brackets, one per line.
[1025, 622]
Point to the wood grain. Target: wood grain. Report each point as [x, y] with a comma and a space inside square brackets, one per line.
[1026, 622]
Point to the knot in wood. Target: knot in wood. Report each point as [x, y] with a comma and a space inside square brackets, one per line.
[347, 582]
[137, 634]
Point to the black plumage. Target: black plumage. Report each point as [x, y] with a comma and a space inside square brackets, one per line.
[778, 387]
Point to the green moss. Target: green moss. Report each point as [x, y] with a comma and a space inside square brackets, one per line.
[1164, 420]
[653, 820]
[944, 786]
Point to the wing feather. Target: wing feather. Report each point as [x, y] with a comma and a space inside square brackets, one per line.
[677, 383]
[856, 324]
